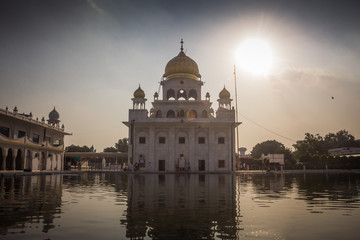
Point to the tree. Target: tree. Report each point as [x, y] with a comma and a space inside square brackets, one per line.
[77, 148]
[110, 149]
[340, 139]
[270, 146]
[312, 144]
[122, 145]
[273, 147]
[313, 150]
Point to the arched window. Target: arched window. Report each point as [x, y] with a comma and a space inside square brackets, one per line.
[170, 114]
[192, 94]
[191, 114]
[181, 114]
[170, 95]
[158, 114]
[181, 94]
[204, 114]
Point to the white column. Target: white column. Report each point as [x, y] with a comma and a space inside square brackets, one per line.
[171, 153]
[211, 158]
[151, 150]
[192, 148]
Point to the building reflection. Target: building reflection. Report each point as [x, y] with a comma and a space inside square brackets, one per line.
[31, 199]
[184, 206]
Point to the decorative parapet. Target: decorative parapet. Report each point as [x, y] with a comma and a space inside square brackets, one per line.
[29, 118]
[225, 114]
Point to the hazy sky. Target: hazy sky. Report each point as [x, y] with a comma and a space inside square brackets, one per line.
[86, 58]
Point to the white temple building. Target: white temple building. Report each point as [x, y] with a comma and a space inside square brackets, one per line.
[182, 132]
[28, 144]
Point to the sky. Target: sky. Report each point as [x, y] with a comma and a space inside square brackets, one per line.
[87, 57]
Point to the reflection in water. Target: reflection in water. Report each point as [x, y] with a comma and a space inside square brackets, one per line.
[30, 199]
[180, 206]
[319, 191]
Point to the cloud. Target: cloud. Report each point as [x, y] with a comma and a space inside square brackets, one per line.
[306, 76]
[94, 6]
[312, 82]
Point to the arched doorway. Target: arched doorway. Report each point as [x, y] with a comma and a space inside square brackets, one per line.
[170, 95]
[204, 114]
[9, 160]
[181, 94]
[192, 94]
[43, 161]
[181, 113]
[191, 114]
[1, 159]
[158, 114]
[18, 161]
[170, 114]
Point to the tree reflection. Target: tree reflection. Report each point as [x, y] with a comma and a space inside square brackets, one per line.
[329, 191]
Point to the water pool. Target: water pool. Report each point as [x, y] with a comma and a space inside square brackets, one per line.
[180, 206]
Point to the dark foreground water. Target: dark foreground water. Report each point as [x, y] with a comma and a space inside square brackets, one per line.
[126, 206]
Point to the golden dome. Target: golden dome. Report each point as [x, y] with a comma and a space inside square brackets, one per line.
[139, 93]
[181, 66]
[224, 94]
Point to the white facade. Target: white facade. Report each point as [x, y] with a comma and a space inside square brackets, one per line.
[29, 144]
[181, 131]
[274, 158]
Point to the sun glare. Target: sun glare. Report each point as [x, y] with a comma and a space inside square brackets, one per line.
[255, 56]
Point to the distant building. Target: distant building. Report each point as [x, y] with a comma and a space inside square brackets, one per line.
[345, 151]
[182, 132]
[274, 158]
[31, 144]
[94, 160]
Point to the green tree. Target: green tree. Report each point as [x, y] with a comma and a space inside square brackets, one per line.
[77, 148]
[313, 150]
[269, 146]
[340, 139]
[110, 149]
[312, 144]
[122, 145]
[273, 147]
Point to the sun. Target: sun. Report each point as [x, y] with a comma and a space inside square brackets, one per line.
[255, 56]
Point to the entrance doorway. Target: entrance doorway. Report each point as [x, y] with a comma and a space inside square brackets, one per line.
[9, 160]
[161, 165]
[1, 159]
[201, 165]
[43, 161]
[18, 161]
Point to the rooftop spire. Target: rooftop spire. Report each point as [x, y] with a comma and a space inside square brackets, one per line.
[182, 42]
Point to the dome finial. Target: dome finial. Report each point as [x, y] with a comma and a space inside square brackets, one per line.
[224, 94]
[139, 93]
[182, 47]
